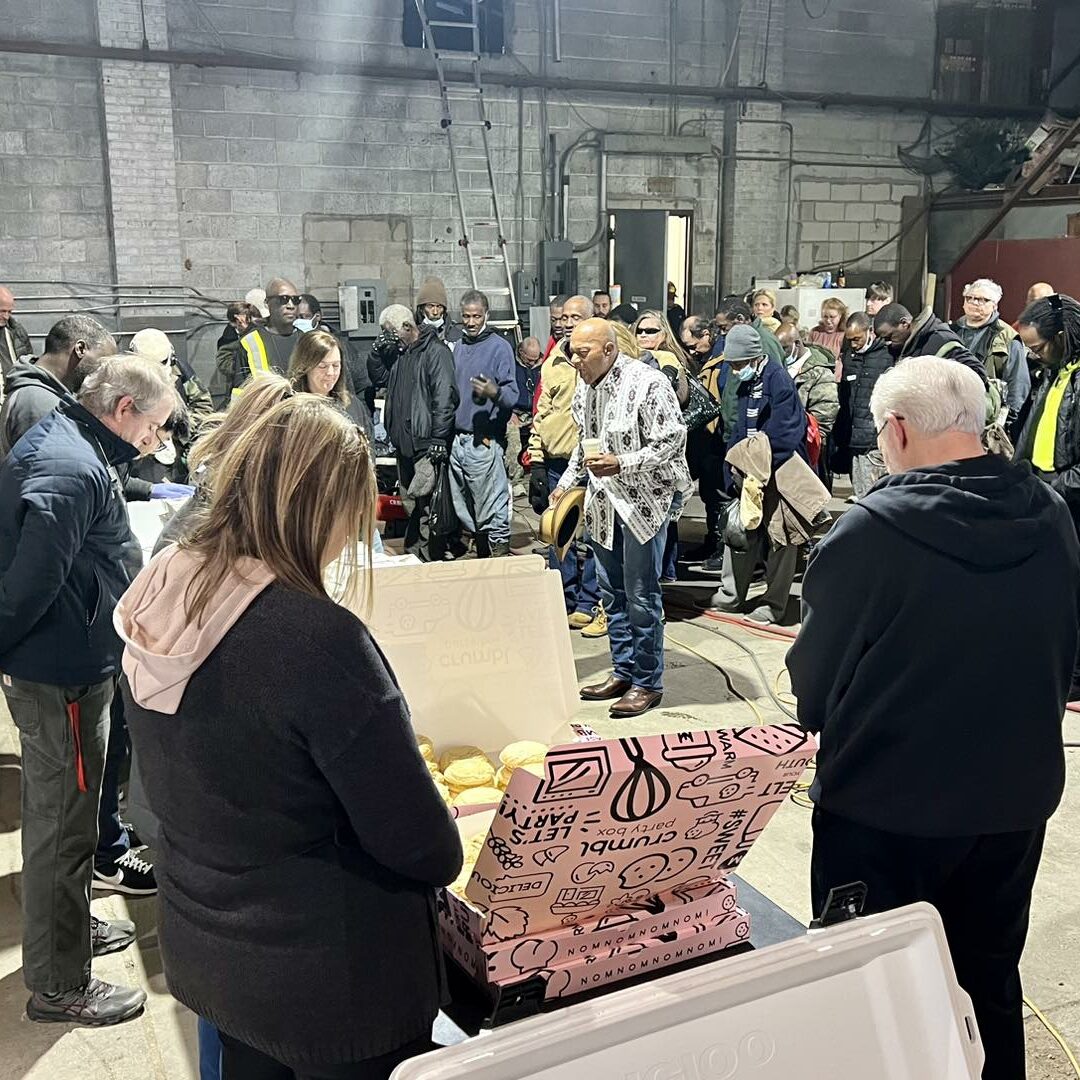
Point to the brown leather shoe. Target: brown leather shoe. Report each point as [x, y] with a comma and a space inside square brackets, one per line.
[635, 701]
[611, 688]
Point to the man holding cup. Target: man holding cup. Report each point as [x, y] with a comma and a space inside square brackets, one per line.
[632, 448]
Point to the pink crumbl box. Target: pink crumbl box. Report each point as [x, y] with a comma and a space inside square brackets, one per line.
[611, 827]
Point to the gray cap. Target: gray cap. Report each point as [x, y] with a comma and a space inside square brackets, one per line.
[742, 343]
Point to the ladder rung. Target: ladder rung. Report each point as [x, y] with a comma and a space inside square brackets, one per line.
[471, 123]
[440, 23]
[504, 324]
[500, 290]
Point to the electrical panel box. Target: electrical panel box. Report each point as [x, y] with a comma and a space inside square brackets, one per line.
[558, 269]
[526, 289]
[359, 305]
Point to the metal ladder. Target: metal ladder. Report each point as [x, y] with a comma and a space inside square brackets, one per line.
[471, 93]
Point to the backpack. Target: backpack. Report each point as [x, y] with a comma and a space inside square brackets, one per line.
[994, 437]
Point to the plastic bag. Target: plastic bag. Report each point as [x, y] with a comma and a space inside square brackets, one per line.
[732, 528]
[442, 519]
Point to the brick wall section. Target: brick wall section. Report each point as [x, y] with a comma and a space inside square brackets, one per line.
[53, 225]
[138, 121]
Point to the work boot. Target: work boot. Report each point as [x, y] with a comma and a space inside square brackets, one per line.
[578, 620]
[97, 1004]
[110, 937]
[598, 627]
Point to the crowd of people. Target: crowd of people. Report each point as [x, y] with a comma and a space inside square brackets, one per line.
[761, 411]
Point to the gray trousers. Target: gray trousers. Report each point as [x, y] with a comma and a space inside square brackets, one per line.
[63, 732]
[481, 488]
[780, 566]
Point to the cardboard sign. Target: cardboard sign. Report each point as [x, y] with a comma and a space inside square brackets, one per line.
[614, 823]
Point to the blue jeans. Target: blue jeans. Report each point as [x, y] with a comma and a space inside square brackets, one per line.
[629, 577]
[209, 1051]
[113, 839]
[480, 487]
[580, 589]
[670, 569]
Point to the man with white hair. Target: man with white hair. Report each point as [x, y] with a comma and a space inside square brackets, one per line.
[938, 768]
[14, 340]
[66, 556]
[421, 399]
[995, 343]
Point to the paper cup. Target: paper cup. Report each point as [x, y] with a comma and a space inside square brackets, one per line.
[591, 447]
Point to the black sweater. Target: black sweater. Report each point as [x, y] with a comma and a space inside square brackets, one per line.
[301, 839]
[939, 631]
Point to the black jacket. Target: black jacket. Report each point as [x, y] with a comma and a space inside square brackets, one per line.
[861, 373]
[20, 344]
[1065, 478]
[939, 632]
[929, 335]
[421, 396]
[296, 903]
[66, 550]
[31, 393]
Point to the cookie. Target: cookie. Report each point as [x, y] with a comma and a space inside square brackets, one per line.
[460, 753]
[444, 792]
[470, 772]
[527, 752]
[426, 746]
[478, 796]
[502, 777]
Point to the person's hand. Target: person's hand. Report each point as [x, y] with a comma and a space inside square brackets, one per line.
[438, 454]
[538, 488]
[555, 496]
[171, 491]
[603, 465]
[488, 388]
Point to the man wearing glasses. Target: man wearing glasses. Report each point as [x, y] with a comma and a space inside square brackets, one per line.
[264, 348]
[995, 343]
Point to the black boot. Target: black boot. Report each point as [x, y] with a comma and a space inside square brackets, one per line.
[706, 549]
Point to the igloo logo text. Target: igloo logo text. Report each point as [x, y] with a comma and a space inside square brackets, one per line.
[720, 1061]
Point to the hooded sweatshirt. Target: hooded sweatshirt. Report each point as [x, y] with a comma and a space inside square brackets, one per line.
[31, 393]
[301, 834]
[939, 633]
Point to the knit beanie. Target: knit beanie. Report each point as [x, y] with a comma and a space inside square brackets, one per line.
[432, 291]
[743, 342]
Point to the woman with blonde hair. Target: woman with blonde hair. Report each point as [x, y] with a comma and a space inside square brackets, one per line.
[302, 837]
[829, 331]
[316, 367]
[763, 305]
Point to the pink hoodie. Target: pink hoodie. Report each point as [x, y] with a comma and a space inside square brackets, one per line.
[162, 648]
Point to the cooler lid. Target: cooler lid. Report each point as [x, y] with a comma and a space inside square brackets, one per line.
[874, 997]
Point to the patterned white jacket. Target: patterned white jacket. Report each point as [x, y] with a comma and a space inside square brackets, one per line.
[634, 413]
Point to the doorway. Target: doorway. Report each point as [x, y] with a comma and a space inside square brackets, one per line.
[646, 250]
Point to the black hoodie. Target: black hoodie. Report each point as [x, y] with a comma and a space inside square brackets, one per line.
[31, 393]
[939, 631]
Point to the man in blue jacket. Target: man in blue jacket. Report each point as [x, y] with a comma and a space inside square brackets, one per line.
[66, 556]
[768, 402]
[487, 392]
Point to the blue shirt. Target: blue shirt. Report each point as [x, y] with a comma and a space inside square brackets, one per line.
[490, 357]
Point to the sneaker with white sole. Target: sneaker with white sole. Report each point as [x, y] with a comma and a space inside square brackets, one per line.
[130, 874]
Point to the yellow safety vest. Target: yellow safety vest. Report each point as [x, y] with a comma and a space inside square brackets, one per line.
[1042, 456]
[257, 361]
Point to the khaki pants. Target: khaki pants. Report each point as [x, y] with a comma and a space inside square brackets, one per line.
[63, 732]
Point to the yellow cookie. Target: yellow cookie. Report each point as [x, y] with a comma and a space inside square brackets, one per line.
[523, 753]
[502, 777]
[433, 767]
[460, 753]
[478, 796]
[427, 747]
[469, 773]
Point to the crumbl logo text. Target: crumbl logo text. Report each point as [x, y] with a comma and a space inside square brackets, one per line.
[721, 1061]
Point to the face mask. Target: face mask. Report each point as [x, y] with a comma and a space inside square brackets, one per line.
[304, 325]
[477, 332]
[745, 374]
[435, 323]
[869, 342]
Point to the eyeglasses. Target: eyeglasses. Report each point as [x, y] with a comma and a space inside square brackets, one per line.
[891, 416]
[284, 300]
[648, 330]
[980, 300]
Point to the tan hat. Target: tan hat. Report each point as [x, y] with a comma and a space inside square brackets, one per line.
[560, 524]
[257, 299]
[153, 344]
[432, 291]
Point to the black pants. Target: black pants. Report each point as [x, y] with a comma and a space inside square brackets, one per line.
[241, 1062]
[980, 885]
[419, 540]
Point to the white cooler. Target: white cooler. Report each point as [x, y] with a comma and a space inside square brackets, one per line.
[872, 998]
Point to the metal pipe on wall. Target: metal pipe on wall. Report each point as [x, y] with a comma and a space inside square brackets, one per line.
[556, 19]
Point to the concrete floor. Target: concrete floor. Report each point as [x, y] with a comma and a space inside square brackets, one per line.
[161, 1044]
